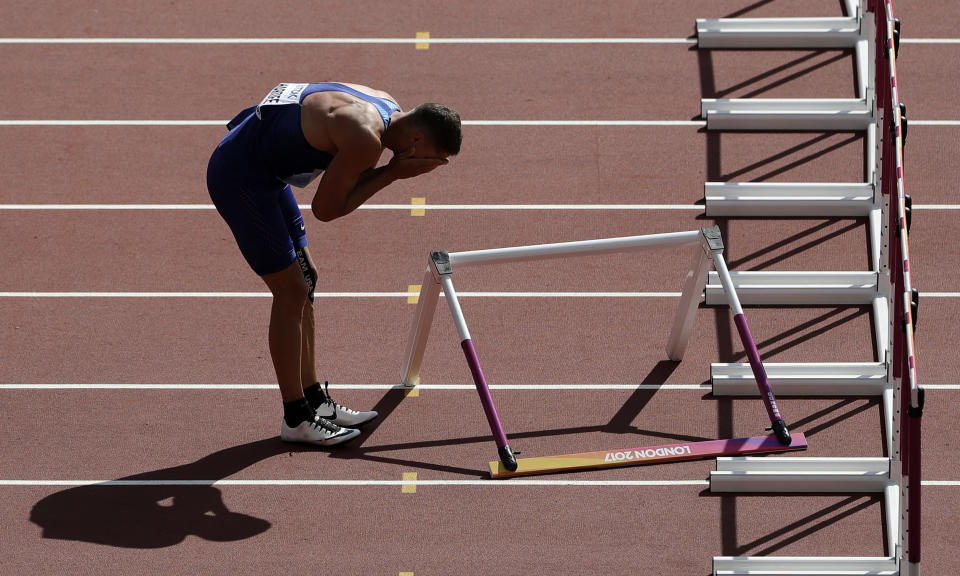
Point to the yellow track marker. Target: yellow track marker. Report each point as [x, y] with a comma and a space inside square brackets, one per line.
[413, 293]
[406, 574]
[423, 45]
[409, 488]
[418, 202]
[411, 392]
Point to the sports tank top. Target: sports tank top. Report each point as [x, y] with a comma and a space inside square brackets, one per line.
[275, 139]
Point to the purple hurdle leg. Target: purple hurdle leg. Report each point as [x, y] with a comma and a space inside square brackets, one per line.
[759, 374]
[493, 418]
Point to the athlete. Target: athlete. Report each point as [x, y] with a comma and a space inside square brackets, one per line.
[296, 133]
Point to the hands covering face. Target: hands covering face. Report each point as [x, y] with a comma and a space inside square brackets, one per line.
[406, 164]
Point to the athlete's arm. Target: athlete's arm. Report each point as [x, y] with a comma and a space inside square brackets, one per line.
[350, 179]
[347, 182]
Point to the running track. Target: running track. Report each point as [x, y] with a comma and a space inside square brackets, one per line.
[200, 405]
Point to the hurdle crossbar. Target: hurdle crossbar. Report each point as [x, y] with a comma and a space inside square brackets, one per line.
[580, 248]
[709, 248]
[431, 285]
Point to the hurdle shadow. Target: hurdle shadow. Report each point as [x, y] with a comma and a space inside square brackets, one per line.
[748, 9]
[798, 244]
[844, 409]
[375, 453]
[158, 515]
[808, 61]
[781, 162]
[775, 345]
[793, 532]
[815, 151]
[620, 423]
[817, 146]
[812, 65]
[385, 407]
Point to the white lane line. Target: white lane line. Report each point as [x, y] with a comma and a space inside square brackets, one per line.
[336, 294]
[649, 123]
[432, 40]
[112, 207]
[374, 294]
[529, 206]
[469, 387]
[221, 123]
[934, 122]
[455, 387]
[699, 123]
[404, 207]
[930, 40]
[413, 40]
[307, 482]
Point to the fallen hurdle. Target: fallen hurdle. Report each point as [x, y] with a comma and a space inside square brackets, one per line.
[707, 248]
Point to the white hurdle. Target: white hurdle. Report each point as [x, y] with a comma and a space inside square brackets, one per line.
[693, 287]
[708, 248]
[886, 287]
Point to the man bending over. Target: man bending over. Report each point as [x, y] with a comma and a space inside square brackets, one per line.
[296, 133]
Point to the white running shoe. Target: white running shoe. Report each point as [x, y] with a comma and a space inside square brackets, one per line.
[317, 431]
[339, 414]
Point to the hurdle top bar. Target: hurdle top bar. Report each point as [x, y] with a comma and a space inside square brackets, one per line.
[580, 248]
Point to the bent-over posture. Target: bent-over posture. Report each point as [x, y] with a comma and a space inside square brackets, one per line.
[296, 133]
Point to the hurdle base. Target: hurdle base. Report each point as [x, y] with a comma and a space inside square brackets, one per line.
[507, 459]
[780, 431]
[648, 455]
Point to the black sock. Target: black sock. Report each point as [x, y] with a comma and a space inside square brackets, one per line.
[314, 395]
[296, 412]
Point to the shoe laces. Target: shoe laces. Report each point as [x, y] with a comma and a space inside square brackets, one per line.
[319, 422]
[331, 402]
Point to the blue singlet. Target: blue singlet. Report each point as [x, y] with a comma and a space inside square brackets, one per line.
[250, 173]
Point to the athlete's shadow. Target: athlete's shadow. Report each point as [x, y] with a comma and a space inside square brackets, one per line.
[131, 514]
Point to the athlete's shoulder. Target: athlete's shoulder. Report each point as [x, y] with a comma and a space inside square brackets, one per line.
[354, 130]
[371, 92]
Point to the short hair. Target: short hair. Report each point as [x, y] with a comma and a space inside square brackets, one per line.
[442, 125]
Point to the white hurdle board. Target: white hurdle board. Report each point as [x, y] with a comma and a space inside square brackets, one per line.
[797, 288]
[780, 565]
[792, 199]
[741, 33]
[801, 379]
[800, 114]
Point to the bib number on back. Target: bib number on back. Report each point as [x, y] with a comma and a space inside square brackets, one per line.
[282, 94]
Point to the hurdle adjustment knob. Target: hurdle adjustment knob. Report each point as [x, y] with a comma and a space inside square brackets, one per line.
[508, 458]
[783, 435]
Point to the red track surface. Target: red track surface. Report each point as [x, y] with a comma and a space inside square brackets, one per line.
[478, 528]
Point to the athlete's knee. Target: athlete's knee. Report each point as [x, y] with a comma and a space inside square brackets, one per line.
[295, 291]
[289, 303]
[309, 308]
[288, 287]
